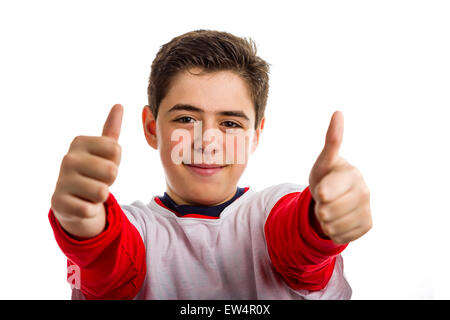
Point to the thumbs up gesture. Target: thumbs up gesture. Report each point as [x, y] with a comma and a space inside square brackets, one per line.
[86, 172]
[342, 199]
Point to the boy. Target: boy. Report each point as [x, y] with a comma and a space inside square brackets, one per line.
[206, 238]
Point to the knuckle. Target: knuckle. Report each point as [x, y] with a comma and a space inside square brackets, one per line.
[118, 148]
[102, 193]
[116, 151]
[112, 148]
[78, 140]
[328, 229]
[84, 210]
[69, 160]
[322, 214]
[321, 193]
[55, 201]
[111, 172]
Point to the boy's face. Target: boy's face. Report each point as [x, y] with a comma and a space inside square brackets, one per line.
[205, 131]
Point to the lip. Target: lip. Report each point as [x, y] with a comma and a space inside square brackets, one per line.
[205, 169]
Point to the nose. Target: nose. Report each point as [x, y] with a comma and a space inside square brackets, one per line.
[208, 139]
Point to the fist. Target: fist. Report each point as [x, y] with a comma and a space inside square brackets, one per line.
[87, 170]
[342, 198]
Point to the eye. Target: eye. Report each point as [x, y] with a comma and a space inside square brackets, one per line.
[185, 120]
[231, 124]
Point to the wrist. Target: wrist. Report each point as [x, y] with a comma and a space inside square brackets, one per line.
[83, 228]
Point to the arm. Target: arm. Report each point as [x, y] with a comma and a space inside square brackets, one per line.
[304, 231]
[105, 251]
[112, 264]
[301, 253]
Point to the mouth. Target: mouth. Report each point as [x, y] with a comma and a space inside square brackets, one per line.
[205, 169]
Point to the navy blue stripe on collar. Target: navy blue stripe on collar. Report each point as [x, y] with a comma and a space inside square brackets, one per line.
[210, 211]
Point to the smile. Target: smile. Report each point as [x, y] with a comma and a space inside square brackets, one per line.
[205, 169]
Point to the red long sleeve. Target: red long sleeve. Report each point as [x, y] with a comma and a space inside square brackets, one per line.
[304, 259]
[112, 265]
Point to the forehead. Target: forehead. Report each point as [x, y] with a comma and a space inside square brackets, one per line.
[213, 91]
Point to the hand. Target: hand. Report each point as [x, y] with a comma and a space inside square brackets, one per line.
[86, 172]
[342, 199]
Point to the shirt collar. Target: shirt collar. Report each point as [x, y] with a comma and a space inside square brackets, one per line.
[210, 211]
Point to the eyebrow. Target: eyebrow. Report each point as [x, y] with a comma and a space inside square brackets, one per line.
[188, 107]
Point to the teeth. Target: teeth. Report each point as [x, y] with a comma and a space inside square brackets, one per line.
[207, 167]
[200, 166]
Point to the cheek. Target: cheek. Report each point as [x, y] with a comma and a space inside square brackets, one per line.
[171, 145]
[237, 170]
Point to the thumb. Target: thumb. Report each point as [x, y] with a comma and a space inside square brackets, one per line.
[113, 123]
[330, 152]
[333, 139]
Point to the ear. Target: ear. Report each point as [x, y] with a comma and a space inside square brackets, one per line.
[149, 123]
[257, 134]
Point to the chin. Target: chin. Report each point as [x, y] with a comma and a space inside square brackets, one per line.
[203, 189]
[205, 195]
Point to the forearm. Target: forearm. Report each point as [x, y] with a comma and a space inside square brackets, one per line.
[112, 264]
[303, 257]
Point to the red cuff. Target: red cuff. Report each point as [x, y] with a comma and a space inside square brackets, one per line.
[314, 222]
[304, 259]
[82, 252]
[112, 265]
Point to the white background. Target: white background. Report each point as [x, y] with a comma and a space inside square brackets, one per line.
[384, 64]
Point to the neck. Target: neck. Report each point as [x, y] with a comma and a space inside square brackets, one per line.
[180, 201]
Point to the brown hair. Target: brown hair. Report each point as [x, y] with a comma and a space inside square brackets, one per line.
[212, 51]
